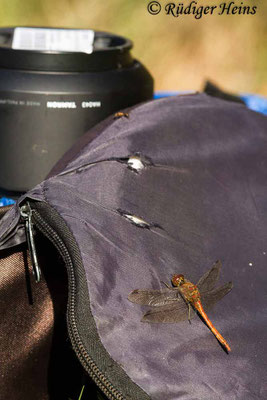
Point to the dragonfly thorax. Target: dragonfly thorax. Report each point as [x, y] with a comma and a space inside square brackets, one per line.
[178, 280]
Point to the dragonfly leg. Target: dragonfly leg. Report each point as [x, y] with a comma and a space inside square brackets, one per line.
[166, 284]
[189, 313]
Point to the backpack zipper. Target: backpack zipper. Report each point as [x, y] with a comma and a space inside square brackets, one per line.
[31, 218]
[26, 215]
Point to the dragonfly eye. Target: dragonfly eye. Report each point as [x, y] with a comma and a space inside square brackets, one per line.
[177, 280]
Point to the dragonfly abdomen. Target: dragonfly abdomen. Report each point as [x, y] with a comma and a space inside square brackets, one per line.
[198, 306]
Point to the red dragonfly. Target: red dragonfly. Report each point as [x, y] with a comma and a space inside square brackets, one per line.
[174, 303]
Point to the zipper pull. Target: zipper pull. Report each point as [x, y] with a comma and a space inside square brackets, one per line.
[26, 214]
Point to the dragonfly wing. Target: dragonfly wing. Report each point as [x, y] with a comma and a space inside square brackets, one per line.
[209, 279]
[209, 299]
[167, 314]
[154, 298]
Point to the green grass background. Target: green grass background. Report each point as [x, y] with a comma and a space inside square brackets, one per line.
[180, 52]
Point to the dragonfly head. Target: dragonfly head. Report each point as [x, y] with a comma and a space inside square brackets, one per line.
[177, 280]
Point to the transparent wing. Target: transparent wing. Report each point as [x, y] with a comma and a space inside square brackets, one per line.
[154, 298]
[170, 313]
[209, 299]
[209, 279]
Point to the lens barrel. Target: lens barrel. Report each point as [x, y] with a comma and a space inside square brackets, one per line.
[49, 98]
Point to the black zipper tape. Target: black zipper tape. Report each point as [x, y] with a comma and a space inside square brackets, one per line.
[82, 328]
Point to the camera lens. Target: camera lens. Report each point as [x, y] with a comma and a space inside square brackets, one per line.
[55, 84]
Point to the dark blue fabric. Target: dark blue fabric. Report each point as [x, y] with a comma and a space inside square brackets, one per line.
[206, 189]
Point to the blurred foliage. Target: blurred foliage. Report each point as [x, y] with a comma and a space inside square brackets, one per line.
[180, 52]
